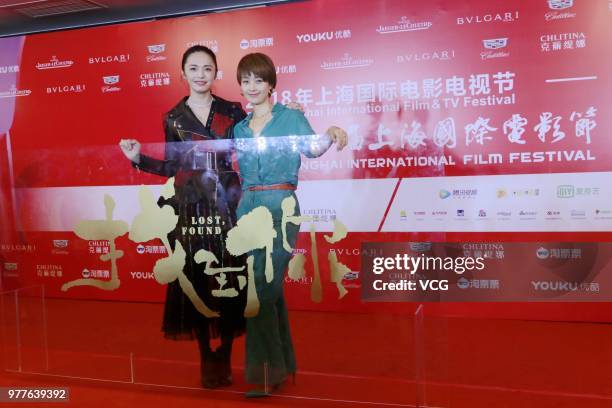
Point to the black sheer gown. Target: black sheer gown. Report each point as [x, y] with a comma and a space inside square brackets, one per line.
[207, 191]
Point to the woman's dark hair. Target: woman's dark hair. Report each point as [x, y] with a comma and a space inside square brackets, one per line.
[198, 48]
[260, 65]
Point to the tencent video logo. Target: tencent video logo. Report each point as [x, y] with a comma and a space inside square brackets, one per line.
[444, 194]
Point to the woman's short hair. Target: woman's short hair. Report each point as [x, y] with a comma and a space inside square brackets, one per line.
[260, 65]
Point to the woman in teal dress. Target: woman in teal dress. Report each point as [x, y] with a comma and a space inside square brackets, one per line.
[269, 142]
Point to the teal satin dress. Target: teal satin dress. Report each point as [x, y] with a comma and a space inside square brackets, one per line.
[271, 158]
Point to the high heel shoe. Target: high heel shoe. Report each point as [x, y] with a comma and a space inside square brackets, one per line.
[224, 378]
[261, 392]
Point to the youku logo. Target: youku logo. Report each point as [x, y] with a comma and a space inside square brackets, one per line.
[347, 62]
[155, 52]
[143, 275]
[556, 286]
[557, 5]
[110, 82]
[403, 25]
[323, 36]
[54, 63]
[493, 48]
[507, 17]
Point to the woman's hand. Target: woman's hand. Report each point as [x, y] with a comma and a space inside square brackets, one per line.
[295, 106]
[131, 149]
[338, 136]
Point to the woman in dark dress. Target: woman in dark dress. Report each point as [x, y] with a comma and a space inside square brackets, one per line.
[198, 155]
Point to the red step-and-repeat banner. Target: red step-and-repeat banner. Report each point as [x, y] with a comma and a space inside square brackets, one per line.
[476, 121]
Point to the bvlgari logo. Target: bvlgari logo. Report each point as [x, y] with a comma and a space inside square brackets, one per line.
[404, 24]
[75, 88]
[155, 52]
[494, 47]
[13, 92]
[506, 17]
[110, 83]
[557, 5]
[438, 55]
[347, 62]
[54, 63]
[120, 58]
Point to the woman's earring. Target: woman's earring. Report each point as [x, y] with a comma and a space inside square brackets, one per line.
[271, 92]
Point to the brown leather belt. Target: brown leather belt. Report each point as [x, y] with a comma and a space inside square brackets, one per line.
[284, 186]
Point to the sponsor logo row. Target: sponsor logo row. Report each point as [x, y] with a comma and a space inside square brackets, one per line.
[506, 215]
[561, 191]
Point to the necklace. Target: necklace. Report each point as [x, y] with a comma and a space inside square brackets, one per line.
[261, 116]
[200, 105]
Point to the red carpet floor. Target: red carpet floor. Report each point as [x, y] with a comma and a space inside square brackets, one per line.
[112, 353]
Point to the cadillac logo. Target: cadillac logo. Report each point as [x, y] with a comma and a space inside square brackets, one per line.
[156, 49]
[110, 80]
[495, 43]
[560, 4]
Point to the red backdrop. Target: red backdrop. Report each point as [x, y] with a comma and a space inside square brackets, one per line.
[474, 89]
